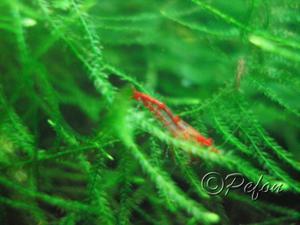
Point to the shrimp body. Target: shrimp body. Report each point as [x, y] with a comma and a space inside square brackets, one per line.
[176, 126]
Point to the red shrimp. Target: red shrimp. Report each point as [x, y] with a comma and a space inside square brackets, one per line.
[176, 126]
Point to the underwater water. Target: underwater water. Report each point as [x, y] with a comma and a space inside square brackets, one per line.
[174, 112]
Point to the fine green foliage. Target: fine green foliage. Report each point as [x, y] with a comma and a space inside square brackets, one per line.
[75, 148]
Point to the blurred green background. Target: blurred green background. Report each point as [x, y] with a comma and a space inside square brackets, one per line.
[74, 147]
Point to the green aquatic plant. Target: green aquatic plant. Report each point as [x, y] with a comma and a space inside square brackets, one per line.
[75, 148]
